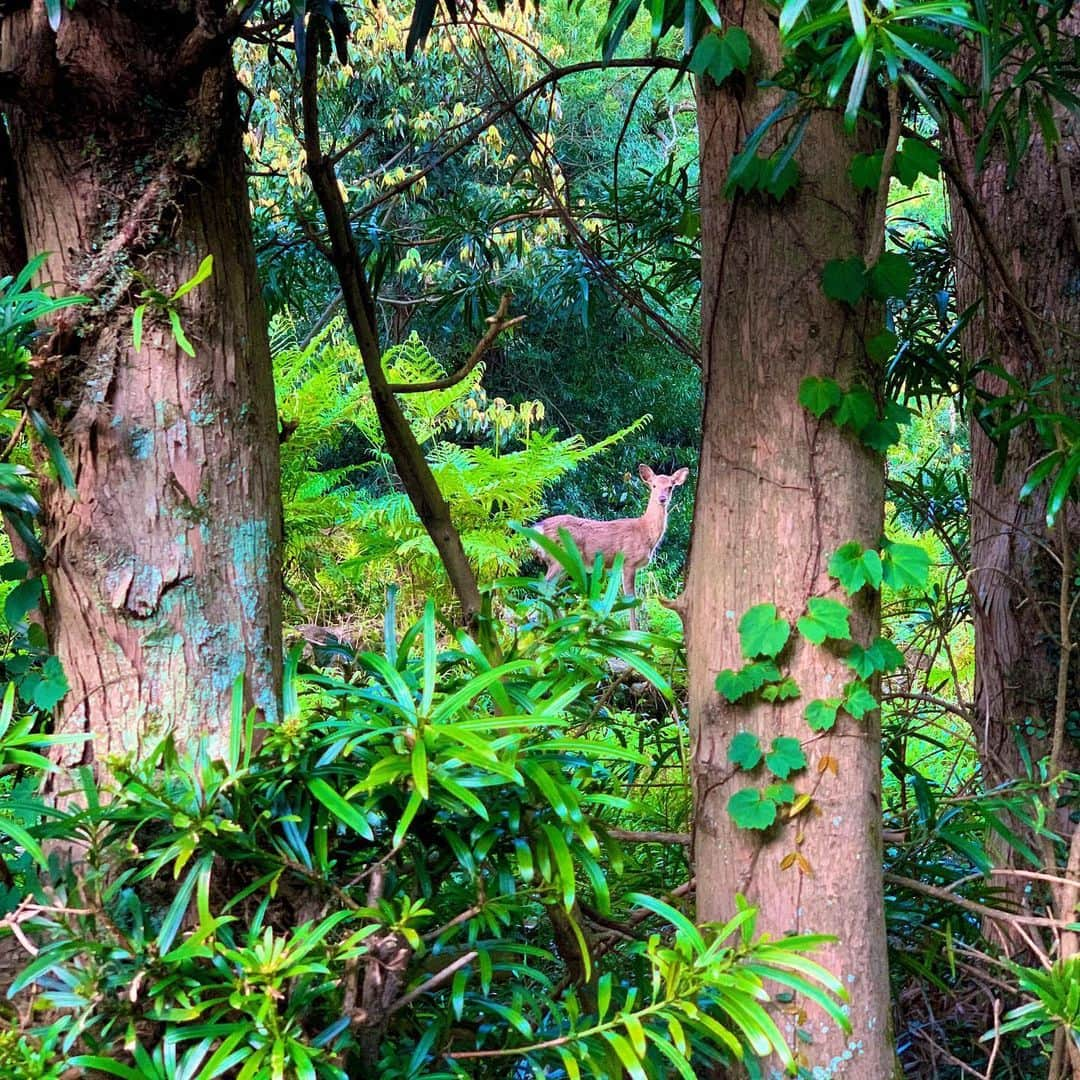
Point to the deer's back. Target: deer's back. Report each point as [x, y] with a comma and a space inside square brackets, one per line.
[606, 538]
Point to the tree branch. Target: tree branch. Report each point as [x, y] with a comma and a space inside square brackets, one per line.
[412, 468]
[876, 240]
[497, 324]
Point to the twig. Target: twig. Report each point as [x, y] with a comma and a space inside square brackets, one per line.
[632, 837]
[876, 239]
[436, 980]
[497, 323]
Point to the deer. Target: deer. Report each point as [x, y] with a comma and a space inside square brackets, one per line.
[636, 539]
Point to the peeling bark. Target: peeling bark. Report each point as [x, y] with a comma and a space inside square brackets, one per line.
[164, 565]
[777, 493]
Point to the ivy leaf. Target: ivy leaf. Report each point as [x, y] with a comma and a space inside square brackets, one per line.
[881, 346]
[21, 600]
[858, 700]
[762, 632]
[785, 690]
[865, 170]
[881, 655]
[718, 55]
[855, 567]
[880, 435]
[857, 409]
[825, 618]
[903, 565]
[844, 279]
[821, 714]
[780, 182]
[891, 275]
[749, 809]
[745, 750]
[785, 757]
[780, 793]
[52, 687]
[819, 395]
[737, 684]
[913, 158]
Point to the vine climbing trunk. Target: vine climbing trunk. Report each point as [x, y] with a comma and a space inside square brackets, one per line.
[778, 492]
[163, 561]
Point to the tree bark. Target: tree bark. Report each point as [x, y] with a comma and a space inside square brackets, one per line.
[1014, 582]
[164, 565]
[777, 493]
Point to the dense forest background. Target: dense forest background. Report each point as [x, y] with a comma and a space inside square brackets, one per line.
[312, 311]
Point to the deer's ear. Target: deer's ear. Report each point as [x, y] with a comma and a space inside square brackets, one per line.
[645, 473]
[680, 477]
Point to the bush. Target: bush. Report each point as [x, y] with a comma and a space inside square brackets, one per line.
[412, 875]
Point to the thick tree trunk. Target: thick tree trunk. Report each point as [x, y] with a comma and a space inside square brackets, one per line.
[1014, 583]
[778, 492]
[164, 565]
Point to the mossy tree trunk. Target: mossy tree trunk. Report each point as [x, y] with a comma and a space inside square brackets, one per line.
[163, 566]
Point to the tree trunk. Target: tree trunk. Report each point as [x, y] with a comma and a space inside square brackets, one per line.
[1014, 583]
[164, 565]
[778, 492]
[1017, 255]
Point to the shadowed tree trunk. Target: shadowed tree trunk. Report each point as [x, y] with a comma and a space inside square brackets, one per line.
[1018, 257]
[778, 492]
[163, 566]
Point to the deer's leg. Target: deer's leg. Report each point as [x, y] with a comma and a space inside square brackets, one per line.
[629, 575]
[553, 570]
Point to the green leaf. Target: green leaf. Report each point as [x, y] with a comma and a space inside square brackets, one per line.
[915, 157]
[779, 181]
[785, 757]
[865, 170]
[749, 809]
[762, 632]
[825, 618]
[879, 435]
[344, 811]
[891, 275]
[855, 567]
[55, 11]
[881, 346]
[903, 565]
[780, 793]
[845, 280]
[206, 268]
[882, 655]
[137, 317]
[745, 750]
[857, 409]
[858, 700]
[178, 332]
[53, 685]
[718, 55]
[821, 713]
[819, 395]
[785, 690]
[56, 452]
[1059, 490]
[737, 684]
[21, 600]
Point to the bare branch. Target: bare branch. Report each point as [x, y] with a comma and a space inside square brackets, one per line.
[497, 323]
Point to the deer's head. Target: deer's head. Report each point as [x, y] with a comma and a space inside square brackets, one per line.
[662, 486]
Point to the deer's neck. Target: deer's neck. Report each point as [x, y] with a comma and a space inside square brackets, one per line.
[655, 520]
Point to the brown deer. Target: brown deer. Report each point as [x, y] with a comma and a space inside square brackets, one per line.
[635, 538]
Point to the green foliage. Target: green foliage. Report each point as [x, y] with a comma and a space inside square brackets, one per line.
[821, 714]
[735, 685]
[441, 802]
[825, 618]
[160, 303]
[785, 757]
[855, 567]
[745, 750]
[762, 632]
[856, 410]
[350, 525]
[718, 55]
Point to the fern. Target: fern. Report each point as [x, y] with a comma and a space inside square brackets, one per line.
[350, 531]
